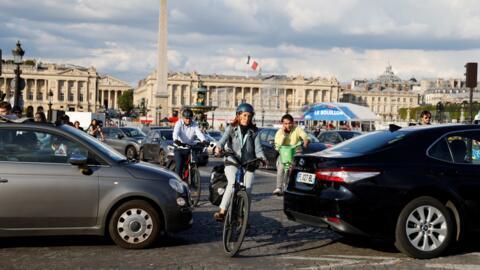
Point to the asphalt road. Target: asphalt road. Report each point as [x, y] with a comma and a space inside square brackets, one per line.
[273, 242]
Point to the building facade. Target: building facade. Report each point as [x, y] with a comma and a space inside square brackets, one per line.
[272, 96]
[384, 95]
[448, 91]
[66, 87]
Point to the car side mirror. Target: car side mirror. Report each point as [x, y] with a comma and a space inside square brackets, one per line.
[78, 160]
[119, 136]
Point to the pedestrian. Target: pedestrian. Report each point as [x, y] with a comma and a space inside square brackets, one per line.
[95, 130]
[40, 117]
[241, 137]
[6, 110]
[425, 118]
[76, 124]
[65, 119]
[16, 110]
[288, 134]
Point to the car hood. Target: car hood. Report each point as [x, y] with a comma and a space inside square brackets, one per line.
[143, 170]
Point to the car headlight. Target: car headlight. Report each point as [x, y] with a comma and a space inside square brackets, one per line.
[139, 141]
[170, 148]
[176, 185]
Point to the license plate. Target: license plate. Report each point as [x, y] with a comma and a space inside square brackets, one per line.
[307, 178]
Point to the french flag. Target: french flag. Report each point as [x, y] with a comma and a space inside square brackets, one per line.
[253, 63]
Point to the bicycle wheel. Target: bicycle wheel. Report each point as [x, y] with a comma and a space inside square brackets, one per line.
[195, 185]
[235, 225]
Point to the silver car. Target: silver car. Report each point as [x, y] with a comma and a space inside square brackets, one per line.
[57, 180]
[120, 141]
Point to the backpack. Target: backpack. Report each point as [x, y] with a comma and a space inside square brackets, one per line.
[218, 183]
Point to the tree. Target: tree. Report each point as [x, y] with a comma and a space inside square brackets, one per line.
[125, 101]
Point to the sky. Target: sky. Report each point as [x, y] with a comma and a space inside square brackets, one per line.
[346, 39]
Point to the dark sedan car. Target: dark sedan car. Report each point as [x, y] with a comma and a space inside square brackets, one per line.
[58, 180]
[417, 186]
[332, 137]
[267, 136]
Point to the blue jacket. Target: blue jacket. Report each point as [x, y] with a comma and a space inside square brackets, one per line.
[245, 149]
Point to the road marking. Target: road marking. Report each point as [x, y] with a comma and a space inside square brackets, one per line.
[346, 260]
[453, 266]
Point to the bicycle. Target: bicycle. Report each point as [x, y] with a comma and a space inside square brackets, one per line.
[191, 174]
[236, 218]
[286, 157]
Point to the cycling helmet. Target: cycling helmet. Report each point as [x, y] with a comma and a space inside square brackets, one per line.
[187, 113]
[245, 107]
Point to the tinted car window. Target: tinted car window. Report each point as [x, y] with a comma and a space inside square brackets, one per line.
[132, 132]
[440, 151]
[34, 146]
[465, 147]
[370, 142]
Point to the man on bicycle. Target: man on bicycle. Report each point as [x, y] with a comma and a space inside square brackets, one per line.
[184, 133]
[241, 138]
[289, 134]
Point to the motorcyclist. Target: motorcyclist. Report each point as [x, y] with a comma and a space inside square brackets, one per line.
[184, 133]
[241, 138]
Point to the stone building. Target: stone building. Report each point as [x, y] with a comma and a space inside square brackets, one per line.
[72, 88]
[272, 96]
[384, 95]
[448, 91]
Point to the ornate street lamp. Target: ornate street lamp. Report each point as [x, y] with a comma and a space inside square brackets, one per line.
[50, 97]
[18, 53]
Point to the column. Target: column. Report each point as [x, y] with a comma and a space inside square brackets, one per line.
[189, 95]
[251, 95]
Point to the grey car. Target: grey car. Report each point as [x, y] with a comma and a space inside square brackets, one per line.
[157, 146]
[116, 138]
[57, 180]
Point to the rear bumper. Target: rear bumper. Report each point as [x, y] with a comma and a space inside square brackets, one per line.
[332, 208]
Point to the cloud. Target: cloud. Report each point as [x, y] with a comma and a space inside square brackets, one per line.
[346, 38]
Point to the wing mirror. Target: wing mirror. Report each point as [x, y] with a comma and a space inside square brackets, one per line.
[80, 161]
[77, 160]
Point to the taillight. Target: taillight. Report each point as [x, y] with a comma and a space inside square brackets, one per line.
[345, 175]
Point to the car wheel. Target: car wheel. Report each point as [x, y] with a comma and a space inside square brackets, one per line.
[134, 225]
[424, 228]
[161, 160]
[130, 152]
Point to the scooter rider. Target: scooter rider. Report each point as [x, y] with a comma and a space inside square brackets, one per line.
[240, 137]
[184, 132]
[288, 134]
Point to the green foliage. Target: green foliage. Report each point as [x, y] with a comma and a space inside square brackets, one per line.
[450, 111]
[125, 101]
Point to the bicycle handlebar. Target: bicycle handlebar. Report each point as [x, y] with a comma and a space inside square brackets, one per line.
[231, 154]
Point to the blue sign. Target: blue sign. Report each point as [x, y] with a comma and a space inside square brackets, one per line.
[327, 112]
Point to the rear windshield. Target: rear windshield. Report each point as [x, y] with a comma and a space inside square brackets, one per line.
[370, 142]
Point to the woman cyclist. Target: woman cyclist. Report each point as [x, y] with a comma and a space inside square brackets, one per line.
[241, 138]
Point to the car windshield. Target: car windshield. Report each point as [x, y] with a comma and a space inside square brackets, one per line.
[369, 142]
[133, 132]
[102, 147]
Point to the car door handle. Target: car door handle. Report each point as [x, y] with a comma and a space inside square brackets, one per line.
[3, 180]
